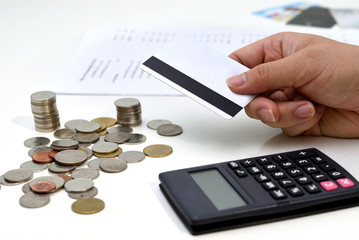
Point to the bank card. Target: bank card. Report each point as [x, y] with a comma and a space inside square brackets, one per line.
[199, 72]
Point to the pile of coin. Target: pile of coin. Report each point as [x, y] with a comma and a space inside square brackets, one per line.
[44, 110]
[129, 111]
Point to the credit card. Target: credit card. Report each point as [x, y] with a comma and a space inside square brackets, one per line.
[200, 72]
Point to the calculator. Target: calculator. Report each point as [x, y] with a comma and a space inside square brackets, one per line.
[257, 190]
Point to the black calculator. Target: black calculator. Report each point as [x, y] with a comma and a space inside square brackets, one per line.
[257, 190]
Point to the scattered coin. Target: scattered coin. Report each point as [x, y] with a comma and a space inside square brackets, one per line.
[60, 169]
[36, 142]
[169, 130]
[127, 129]
[113, 165]
[6, 183]
[43, 187]
[95, 163]
[64, 144]
[34, 200]
[90, 193]
[59, 182]
[79, 185]
[72, 124]
[52, 153]
[117, 137]
[88, 205]
[65, 177]
[88, 151]
[154, 124]
[34, 150]
[86, 137]
[26, 188]
[109, 155]
[34, 167]
[104, 147]
[88, 173]
[108, 121]
[158, 150]
[88, 127]
[18, 175]
[42, 157]
[132, 156]
[64, 133]
[71, 157]
[136, 138]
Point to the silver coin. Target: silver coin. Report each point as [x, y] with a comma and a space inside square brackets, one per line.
[126, 129]
[34, 150]
[88, 173]
[117, 137]
[90, 193]
[132, 156]
[79, 185]
[33, 200]
[36, 142]
[104, 147]
[113, 165]
[59, 182]
[72, 124]
[87, 150]
[26, 188]
[95, 163]
[88, 127]
[169, 130]
[58, 169]
[154, 124]
[82, 137]
[71, 157]
[18, 175]
[39, 97]
[65, 143]
[64, 133]
[136, 138]
[127, 103]
[6, 183]
[33, 166]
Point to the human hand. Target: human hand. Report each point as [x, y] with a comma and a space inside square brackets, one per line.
[307, 84]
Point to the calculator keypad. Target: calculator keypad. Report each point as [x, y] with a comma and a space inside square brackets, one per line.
[292, 174]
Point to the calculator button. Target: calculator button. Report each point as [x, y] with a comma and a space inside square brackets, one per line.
[336, 174]
[303, 180]
[254, 170]
[247, 163]
[286, 183]
[329, 186]
[345, 183]
[233, 165]
[287, 165]
[295, 172]
[278, 194]
[312, 188]
[295, 191]
[326, 167]
[270, 167]
[318, 160]
[279, 157]
[302, 154]
[269, 185]
[303, 162]
[279, 175]
[320, 177]
[241, 173]
[311, 169]
[261, 178]
[263, 160]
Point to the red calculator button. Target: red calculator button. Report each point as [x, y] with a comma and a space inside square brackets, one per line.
[329, 186]
[345, 182]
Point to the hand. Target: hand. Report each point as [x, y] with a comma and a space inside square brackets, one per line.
[307, 85]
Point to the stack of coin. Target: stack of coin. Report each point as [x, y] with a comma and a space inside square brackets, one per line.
[44, 110]
[129, 111]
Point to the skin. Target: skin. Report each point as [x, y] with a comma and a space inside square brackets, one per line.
[306, 84]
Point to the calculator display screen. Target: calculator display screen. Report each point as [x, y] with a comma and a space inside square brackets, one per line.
[217, 189]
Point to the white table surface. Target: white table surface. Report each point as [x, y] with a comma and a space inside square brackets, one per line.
[37, 38]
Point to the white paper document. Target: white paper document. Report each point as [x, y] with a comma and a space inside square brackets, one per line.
[107, 61]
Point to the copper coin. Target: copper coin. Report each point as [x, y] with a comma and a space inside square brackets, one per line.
[53, 153]
[65, 177]
[42, 157]
[43, 187]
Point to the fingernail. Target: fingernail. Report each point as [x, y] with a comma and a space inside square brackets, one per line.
[266, 115]
[304, 111]
[237, 81]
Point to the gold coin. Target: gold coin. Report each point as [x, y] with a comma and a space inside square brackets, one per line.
[103, 126]
[107, 120]
[88, 205]
[109, 155]
[158, 150]
[102, 133]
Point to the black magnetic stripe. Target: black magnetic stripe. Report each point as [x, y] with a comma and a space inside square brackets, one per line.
[193, 86]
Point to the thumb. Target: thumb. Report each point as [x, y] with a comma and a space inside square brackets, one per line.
[282, 73]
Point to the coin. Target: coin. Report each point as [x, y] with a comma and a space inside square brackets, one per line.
[88, 205]
[113, 165]
[34, 200]
[18, 175]
[127, 129]
[79, 185]
[6, 183]
[158, 150]
[88, 151]
[72, 124]
[90, 193]
[57, 168]
[65, 177]
[136, 138]
[36, 142]
[169, 130]
[34, 150]
[117, 137]
[52, 153]
[34, 167]
[95, 163]
[88, 173]
[65, 143]
[88, 127]
[154, 124]
[132, 156]
[104, 147]
[109, 121]
[86, 137]
[43, 187]
[71, 157]
[64, 133]
[42, 157]
[59, 182]
[26, 188]
[109, 155]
